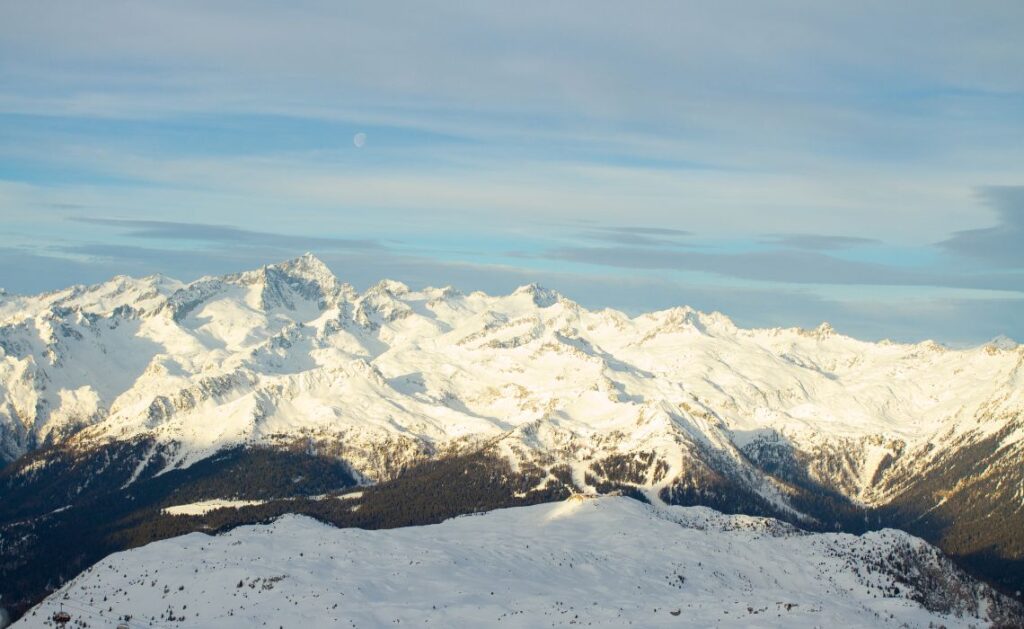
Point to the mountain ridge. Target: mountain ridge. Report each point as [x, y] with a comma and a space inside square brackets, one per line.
[243, 329]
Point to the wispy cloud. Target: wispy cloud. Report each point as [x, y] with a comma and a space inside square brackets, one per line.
[818, 242]
[225, 235]
[1001, 244]
[785, 266]
[650, 231]
[638, 236]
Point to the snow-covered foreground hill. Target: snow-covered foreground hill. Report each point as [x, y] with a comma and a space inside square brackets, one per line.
[609, 562]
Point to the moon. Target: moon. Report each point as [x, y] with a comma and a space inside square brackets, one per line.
[359, 140]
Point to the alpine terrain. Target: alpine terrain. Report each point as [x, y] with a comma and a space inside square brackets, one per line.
[141, 409]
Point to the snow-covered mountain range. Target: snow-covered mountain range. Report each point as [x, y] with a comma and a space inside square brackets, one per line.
[288, 350]
[608, 562]
[136, 378]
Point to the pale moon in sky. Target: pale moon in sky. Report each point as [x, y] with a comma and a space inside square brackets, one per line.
[359, 139]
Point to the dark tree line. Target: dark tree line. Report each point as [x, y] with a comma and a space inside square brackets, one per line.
[49, 532]
[38, 554]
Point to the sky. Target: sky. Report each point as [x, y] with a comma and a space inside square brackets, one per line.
[786, 163]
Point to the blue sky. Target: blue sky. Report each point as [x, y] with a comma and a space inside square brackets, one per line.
[786, 163]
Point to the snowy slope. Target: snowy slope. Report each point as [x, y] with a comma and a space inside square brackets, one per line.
[288, 353]
[609, 562]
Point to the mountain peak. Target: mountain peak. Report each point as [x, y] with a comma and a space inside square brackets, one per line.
[541, 296]
[306, 276]
[309, 269]
[306, 266]
[1001, 342]
[391, 287]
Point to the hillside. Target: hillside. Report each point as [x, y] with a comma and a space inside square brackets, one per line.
[609, 562]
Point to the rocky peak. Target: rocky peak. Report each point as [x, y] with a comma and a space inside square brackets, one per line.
[542, 297]
[307, 268]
